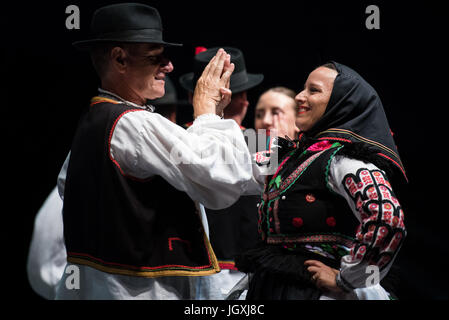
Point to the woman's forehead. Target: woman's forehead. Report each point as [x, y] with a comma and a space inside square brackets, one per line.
[322, 76]
[273, 99]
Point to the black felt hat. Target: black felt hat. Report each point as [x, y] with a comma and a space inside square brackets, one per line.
[125, 22]
[240, 79]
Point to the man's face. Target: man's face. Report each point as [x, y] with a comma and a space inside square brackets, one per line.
[238, 105]
[146, 70]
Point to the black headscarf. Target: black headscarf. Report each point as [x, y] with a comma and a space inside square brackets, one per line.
[355, 116]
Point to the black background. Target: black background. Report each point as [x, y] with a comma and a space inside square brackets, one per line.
[47, 83]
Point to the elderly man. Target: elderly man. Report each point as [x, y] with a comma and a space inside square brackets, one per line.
[130, 226]
[47, 255]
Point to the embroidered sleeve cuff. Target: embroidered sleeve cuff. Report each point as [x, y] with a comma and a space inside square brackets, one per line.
[343, 284]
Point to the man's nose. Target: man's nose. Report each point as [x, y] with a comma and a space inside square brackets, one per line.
[167, 66]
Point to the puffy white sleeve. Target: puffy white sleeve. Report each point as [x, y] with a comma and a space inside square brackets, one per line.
[381, 231]
[209, 161]
[62, 176]
[47, 254]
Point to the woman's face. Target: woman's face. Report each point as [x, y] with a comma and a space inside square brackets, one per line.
[313, 100]
[275, 104]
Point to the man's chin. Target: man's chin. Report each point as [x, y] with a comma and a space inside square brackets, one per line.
[156, 94]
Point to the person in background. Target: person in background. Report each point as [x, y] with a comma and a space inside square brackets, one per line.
[47, 255]
[234, 228]
[276, 106]
[241, 81]
[277, 102]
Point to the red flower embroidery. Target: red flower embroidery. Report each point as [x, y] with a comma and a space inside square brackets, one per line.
[331, 222]
[322, 145]
[395, 221]
[297, 222]
[310, 198]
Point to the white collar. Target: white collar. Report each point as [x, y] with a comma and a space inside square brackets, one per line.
[147, 107]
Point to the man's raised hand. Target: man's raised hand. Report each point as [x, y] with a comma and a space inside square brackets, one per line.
[212, 92]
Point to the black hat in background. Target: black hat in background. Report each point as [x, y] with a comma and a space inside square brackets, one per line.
[125, 22]
[241, 80]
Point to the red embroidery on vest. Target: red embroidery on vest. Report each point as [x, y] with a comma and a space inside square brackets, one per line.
[170, 243]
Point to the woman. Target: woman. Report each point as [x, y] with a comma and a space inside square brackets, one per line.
[330, 222]
[277, 102]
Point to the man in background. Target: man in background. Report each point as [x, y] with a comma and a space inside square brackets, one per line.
[233, 229]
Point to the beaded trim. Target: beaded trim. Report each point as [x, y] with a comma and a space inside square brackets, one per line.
[331, 131]
[313, 238]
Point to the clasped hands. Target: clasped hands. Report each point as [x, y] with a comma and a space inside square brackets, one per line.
[212, 93]
[323, 276]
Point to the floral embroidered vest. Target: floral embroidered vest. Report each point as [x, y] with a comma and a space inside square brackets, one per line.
[299, 209]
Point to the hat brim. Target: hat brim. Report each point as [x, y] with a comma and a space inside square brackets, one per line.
[186, 81]
[87, 44]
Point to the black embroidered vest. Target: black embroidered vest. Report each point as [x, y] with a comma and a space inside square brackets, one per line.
[299, 209]
[119, 224]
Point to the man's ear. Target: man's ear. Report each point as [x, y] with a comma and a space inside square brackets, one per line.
[118, 59]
